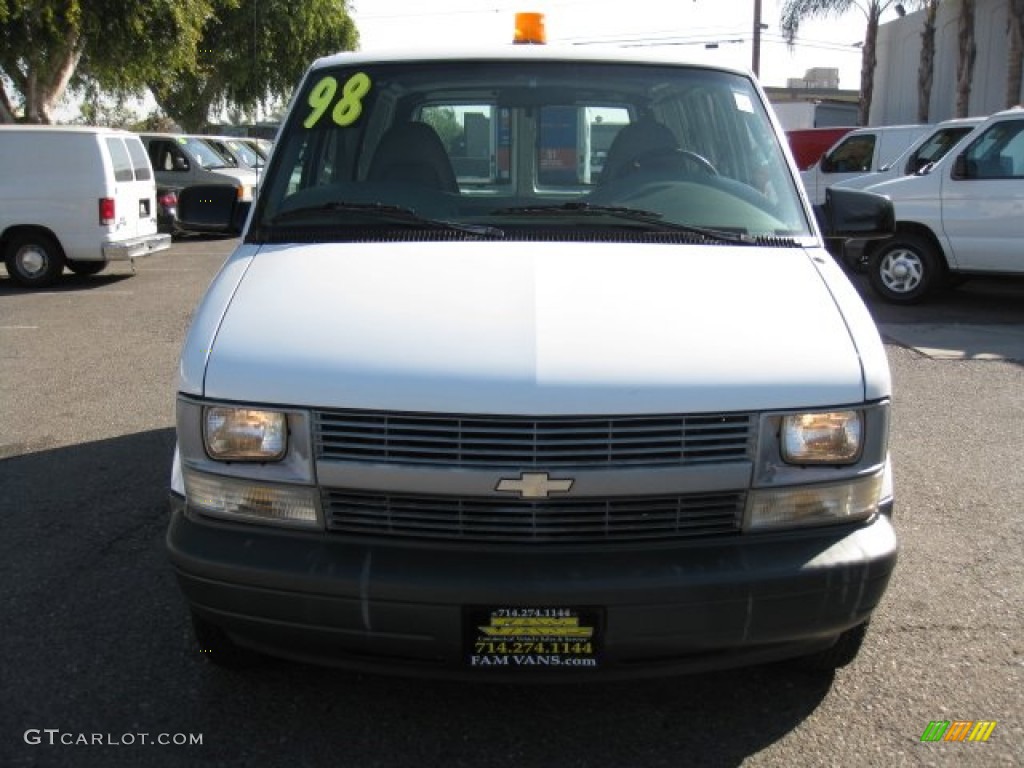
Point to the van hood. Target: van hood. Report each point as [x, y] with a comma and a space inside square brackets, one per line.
[244, 175]
[533, 328]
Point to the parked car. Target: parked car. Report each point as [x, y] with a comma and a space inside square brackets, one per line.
[864, 150]
[73, 197]
[241, 153]
[181, 161]
[511, 425]
[962, 215]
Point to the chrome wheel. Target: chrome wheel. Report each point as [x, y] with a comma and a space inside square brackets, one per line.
[907, 269]
[34, 259]
[901, 270]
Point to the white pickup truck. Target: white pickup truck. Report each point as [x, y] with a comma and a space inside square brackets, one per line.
[963, 216]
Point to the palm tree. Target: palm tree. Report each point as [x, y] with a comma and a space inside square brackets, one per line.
[1015, 9]
[966, 53]
[796, 11]
[926, 69]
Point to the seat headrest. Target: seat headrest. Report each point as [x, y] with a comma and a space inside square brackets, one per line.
[413, 153]
[633, 141]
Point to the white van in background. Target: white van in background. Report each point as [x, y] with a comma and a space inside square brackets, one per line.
[865, 150]
[73, 196]
[929, 148]
[961, 216]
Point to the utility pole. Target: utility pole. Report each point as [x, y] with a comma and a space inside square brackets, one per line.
[756, 65]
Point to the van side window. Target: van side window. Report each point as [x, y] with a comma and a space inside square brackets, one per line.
[852, 155]
[998, 153]
[120, 159]
[140, 162]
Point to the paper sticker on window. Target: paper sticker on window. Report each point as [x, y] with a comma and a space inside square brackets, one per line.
[743, 103]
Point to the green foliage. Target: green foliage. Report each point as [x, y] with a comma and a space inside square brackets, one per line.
[117, 45]
[253, 51]
[444, 121]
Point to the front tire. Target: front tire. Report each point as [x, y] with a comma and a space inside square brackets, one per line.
[34, 259]
[906, 269]
[86, 267]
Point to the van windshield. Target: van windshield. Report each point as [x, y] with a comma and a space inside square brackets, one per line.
[585, 149]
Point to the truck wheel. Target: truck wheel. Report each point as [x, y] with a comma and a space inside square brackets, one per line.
[86, 267]
[34, 259]
[839, 655]
[906, 269]
[218, 648]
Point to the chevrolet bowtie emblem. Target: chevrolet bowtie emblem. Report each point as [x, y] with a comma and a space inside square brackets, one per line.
[533, 485]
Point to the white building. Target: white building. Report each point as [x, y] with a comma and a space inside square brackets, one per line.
[899, 53]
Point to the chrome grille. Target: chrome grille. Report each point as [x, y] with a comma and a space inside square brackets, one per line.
[547, 521]
[490, 441]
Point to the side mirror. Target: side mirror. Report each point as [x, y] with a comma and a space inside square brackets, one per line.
[852, 214]
[961, 170]
[211, 208]
[180, 163]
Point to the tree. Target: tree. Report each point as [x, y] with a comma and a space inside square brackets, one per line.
[1015, 11]
[926, 68]
[48, 45]
[966, 53]
[252, 51]
[794, 12]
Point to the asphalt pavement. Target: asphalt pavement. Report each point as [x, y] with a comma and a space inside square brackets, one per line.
[99, 667]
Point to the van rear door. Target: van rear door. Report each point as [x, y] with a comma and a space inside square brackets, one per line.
[135, 192]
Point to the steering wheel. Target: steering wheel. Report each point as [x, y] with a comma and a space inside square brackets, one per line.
[657, 157]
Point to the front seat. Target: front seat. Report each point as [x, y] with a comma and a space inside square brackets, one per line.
[413, 153]
[631, 143]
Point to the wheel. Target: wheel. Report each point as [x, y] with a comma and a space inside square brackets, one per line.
[839, 655]
[906, 269]
[34, 259]
[86, 267]
[218, 648]
[657, 158]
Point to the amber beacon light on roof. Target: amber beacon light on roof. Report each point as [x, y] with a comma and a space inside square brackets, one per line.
[530, 29]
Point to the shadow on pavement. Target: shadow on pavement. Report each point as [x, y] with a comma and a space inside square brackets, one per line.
[96, 641]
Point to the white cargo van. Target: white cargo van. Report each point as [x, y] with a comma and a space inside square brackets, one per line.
[864, 150]
[459, 406]
[928, 148]
[962, 216]
[76, 197]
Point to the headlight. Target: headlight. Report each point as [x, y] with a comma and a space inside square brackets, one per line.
[822, 438]
[244, 434]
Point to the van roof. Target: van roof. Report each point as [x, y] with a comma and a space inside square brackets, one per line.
[527, 53]
[88, 129]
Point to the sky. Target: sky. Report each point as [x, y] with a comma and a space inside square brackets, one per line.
[685, 25]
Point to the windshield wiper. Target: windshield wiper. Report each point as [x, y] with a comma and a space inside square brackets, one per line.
[631, 214]
[391, 213]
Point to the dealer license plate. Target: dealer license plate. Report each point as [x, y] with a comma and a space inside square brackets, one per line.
[532, 638]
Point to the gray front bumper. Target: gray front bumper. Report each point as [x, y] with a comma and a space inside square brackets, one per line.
[377, 605]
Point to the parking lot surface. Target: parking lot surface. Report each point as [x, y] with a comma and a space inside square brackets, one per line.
[99, 667]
